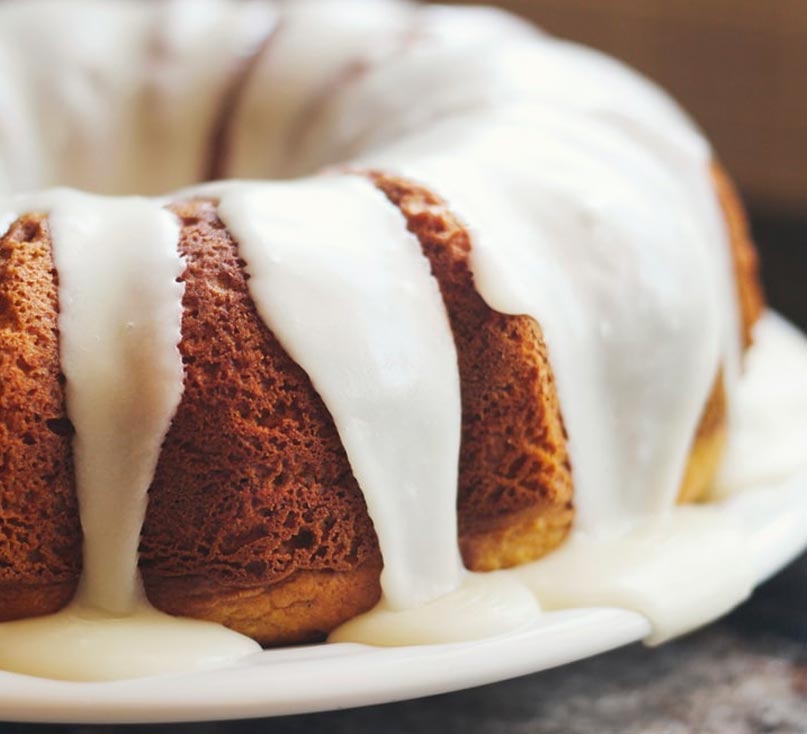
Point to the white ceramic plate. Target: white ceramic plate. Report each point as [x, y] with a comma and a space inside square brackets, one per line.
[322, 677]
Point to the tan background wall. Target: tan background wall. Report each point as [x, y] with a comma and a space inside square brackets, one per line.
[739, 66]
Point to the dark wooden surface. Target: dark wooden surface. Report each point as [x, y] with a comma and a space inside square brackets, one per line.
[746, 674]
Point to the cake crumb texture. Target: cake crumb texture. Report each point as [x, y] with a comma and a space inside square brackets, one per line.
[253, 485]
[40, 534]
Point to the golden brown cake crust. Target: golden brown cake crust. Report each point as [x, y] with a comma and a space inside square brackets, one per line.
[253, 485]
[303, 608]
[750, 295]
[40, 535]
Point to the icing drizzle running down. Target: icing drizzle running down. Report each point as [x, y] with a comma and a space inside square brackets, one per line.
[351, 298]
[590, 205]
[120, 316]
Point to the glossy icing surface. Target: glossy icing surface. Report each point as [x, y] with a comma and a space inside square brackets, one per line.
[770, 410]
[119, 323]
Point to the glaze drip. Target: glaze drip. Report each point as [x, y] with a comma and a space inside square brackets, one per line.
[120, 315]
[351, 298]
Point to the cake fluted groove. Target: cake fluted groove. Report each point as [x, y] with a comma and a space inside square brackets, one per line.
[253, 498]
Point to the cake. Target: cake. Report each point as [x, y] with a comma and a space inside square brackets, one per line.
[506, 295]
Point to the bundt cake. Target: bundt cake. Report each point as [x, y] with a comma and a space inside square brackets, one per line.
[504, 296]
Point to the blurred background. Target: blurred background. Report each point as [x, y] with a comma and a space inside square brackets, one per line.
[740, 68]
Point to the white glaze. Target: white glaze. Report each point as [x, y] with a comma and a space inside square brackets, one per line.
[588, 197]
[484, 605]
[121, 97]
[680, 571]
[563, 206]
[351, 298]
[80, 643]
[768, 436]
[633, 360]
[119, 324]
[347, 39]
